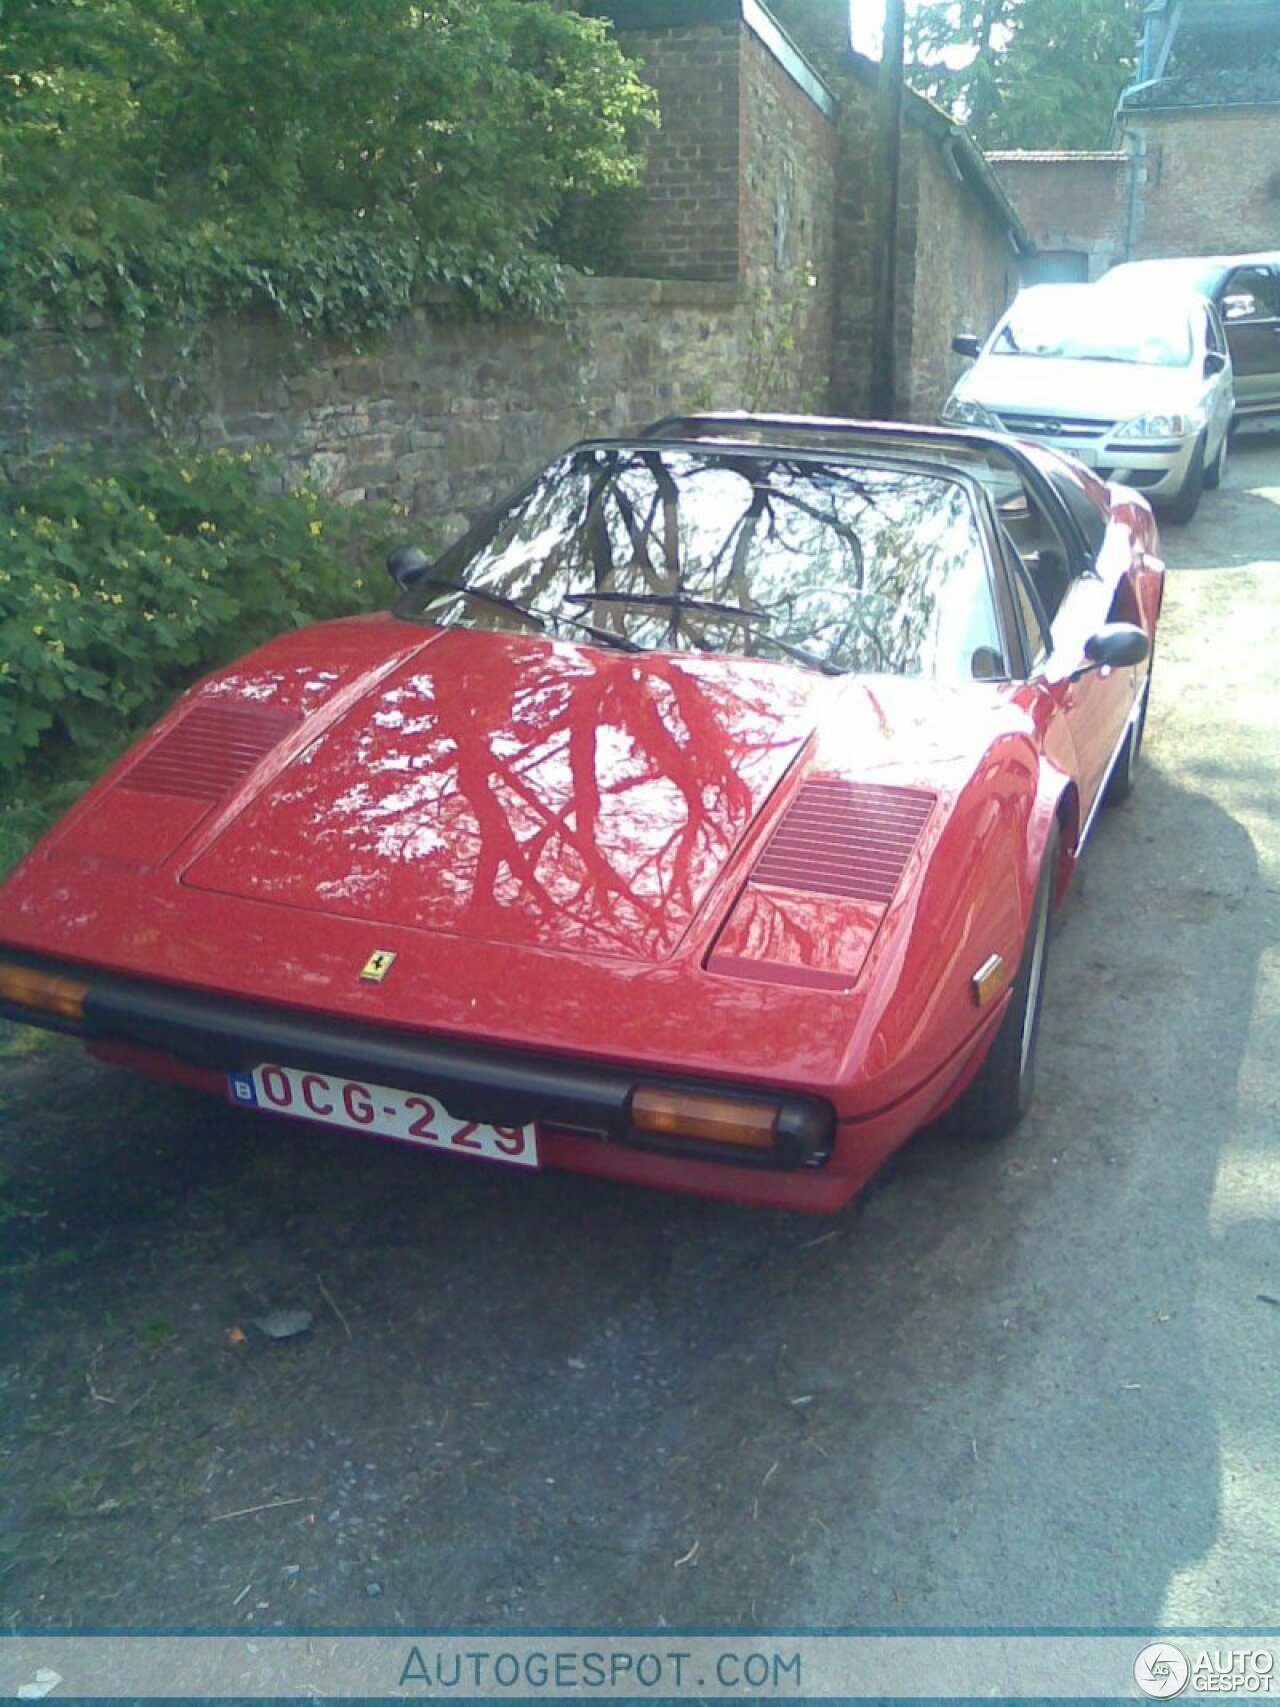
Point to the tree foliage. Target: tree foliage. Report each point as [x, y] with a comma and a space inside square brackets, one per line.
[329, 157]
[1026, 73]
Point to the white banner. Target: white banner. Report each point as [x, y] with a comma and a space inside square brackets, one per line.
[655, 1667]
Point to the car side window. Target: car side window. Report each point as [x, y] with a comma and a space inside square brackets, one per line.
[1040, 550]
[1032, 619]
[1250, 294]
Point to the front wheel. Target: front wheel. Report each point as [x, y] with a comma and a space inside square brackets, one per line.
[1217, 468]
[1120, 782]
[1001, 1092]
[1181, 508]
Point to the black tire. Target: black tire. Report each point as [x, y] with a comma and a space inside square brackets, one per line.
[1001, 1094]
[1217, 468]
[1120, 782]
[1184, 505]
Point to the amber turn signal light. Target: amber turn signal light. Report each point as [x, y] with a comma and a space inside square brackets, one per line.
[694, 1114]
[45, 992]
[989, 980]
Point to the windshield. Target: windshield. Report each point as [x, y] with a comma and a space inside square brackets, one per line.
[762, 554]
[1088, 327]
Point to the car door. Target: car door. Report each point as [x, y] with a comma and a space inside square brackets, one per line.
[1250, 304]
[1076, 567]
[1219, 387]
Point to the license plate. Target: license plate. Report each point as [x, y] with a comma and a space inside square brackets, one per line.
[379, 1109]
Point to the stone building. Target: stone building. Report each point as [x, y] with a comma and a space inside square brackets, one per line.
[1202, 124]
[1196, 163]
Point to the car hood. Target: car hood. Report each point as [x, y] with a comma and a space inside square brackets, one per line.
[1065, 388]
[517, 791]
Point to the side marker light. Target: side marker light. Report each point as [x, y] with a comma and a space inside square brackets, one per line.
[989, 980]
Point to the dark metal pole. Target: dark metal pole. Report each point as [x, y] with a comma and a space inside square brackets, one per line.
[888, 171]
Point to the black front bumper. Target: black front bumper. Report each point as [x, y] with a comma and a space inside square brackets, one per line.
[496, 1086]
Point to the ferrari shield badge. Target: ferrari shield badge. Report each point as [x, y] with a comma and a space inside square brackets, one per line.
[377, 966]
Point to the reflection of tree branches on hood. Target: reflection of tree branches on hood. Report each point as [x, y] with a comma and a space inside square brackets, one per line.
[612, 884]
[484, 776]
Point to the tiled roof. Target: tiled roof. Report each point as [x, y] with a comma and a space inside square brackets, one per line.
[1212, 66]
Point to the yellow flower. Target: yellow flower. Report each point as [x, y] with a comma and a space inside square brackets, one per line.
[315, 529]
[207, 527]
[188, 478]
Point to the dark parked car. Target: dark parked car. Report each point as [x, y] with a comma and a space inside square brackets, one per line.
[1246, 290]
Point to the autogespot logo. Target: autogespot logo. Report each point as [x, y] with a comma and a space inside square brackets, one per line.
[1161, 1670]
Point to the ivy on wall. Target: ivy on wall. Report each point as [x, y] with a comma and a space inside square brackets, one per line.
[331, 160]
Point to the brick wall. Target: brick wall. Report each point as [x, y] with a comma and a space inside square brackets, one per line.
[1208, 183]
[1212, 181]
[689, 226]
[1070, 203]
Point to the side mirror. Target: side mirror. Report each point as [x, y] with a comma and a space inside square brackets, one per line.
[406, 564]
[966, 344]
[1116, 646]
[1214, 362]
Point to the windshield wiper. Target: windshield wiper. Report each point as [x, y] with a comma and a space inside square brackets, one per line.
[605, 636]
[676, 602]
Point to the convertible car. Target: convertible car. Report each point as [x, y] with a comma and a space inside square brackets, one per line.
[695, 820]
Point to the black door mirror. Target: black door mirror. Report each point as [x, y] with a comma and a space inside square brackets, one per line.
[406, 564]
[966, 344]
[1214, 362]
[1116, 646]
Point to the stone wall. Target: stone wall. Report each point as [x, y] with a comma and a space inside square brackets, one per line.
[956, 273]
[789, 148]
[441, 417]
[956, 262]
[855, 240]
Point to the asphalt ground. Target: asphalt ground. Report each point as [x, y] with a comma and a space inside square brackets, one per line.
[1032, 1384]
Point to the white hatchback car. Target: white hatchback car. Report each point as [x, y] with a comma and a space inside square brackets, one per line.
[1137, 387]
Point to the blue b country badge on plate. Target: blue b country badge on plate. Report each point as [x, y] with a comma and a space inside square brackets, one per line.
[242, 1089]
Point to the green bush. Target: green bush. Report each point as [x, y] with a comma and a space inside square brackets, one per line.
[119, 584]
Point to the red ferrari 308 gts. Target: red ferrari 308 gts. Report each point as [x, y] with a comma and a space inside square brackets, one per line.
[694, 820]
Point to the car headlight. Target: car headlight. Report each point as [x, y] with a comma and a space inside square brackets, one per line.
[961, 412]
[1154, 427]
